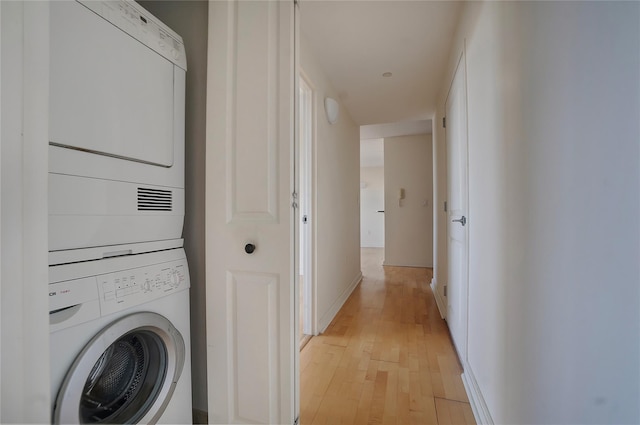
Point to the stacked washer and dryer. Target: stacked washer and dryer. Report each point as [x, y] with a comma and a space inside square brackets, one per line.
[119, 280]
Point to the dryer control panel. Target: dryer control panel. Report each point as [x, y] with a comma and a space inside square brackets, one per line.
[136, 21]
[123, 289]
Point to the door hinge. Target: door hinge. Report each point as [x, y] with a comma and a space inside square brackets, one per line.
[444, 122]
[294, 199]
[445, 290]
[445, 206]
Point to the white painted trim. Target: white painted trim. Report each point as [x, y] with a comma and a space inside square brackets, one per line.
[35, 211]
[442, 308]
[420, 266]
[476, 400]
[1, 204]
[307, 185]
[325, 320]
[25, 109]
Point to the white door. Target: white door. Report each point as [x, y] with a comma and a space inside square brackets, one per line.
[457, 226]
[372, 217]
[250, 221]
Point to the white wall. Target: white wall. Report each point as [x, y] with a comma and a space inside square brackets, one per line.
[372, 201]
[189, 19]
[408, 164]
[337, 172]
[554, 201]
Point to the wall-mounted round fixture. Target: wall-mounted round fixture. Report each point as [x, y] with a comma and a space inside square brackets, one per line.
[387, 74]
[332, 109]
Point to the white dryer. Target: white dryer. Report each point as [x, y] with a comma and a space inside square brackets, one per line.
[119, 341]
[116, 136]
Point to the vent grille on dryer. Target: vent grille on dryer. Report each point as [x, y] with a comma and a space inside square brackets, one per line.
[154, 199]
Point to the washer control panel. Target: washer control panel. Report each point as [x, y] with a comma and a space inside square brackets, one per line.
[127, 288]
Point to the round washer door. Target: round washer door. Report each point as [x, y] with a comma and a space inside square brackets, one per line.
[126, 374]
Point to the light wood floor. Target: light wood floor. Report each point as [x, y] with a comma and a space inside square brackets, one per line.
[386, 358]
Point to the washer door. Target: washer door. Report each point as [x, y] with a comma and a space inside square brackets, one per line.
[126, 374]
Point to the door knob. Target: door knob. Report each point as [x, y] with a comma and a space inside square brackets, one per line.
[249, 248]
[462, 220]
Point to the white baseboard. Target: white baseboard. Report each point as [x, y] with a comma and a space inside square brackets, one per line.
[326, 318]
[478, 405]
[414, 265]
[439, 301]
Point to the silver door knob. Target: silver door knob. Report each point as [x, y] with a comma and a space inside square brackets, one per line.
[462, 220]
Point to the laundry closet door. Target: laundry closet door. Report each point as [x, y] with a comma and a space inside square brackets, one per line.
[251, 339]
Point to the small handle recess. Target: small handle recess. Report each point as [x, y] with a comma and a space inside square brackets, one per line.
[249, 248]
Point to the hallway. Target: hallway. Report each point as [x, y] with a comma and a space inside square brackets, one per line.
[386, 358]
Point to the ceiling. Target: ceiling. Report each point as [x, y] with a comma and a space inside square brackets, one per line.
[357, 41]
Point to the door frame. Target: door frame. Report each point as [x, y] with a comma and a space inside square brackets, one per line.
[309, 204]
[24, 340]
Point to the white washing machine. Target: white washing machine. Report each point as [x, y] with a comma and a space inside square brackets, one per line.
[120, 346]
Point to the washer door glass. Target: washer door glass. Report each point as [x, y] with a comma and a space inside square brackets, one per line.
[125, 381]
[131, 381]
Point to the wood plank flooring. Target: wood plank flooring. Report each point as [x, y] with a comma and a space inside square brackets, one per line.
[386, 358]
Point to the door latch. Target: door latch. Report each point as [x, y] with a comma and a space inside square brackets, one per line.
[462, 220]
